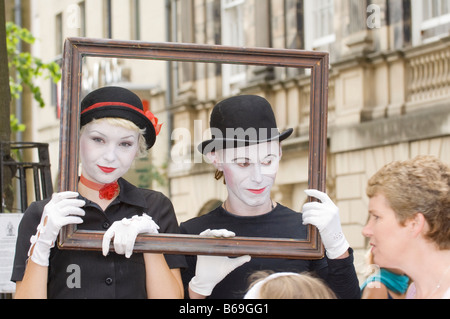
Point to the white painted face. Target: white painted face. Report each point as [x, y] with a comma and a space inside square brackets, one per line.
[107, 151]
[249, 173]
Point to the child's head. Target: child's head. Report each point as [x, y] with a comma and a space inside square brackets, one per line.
[287, 285]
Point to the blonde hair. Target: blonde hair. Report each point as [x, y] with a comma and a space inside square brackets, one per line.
[419, 185]
[268, 285]
[142, 151]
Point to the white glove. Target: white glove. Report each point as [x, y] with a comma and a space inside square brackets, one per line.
[62, 210]
[224, 233]
[325, 216]
[125, 233]
[211, 270]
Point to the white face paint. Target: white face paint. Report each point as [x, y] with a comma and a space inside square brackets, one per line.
[249, 174]
[107, 151]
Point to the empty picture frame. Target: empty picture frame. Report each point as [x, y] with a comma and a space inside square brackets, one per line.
[318, 62]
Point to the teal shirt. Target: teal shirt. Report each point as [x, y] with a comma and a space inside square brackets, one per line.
[394, 282]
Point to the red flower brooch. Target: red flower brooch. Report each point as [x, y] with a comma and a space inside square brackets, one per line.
[109, 191]
[154, 121]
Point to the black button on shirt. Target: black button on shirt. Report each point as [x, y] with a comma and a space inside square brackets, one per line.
[96, 276]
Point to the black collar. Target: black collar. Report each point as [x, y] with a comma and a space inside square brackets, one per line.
[130, 194]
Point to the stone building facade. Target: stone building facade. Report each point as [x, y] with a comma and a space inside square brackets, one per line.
[389, 91]
[389, 86]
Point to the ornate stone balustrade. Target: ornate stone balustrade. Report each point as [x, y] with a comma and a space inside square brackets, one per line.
[428, 72]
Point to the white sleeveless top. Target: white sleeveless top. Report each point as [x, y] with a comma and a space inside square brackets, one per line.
[447, 294]
[411, 293]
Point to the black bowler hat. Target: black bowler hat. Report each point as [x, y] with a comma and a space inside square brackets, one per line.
[117, 102]
[241, 121]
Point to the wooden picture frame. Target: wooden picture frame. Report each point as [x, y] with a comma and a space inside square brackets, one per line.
[318, 62]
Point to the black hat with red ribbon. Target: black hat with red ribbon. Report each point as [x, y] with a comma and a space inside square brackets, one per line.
[118, 102]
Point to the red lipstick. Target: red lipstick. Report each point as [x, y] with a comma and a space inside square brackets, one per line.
[107, 170]
[257, 191]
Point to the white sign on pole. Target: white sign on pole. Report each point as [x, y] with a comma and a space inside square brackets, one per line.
[9, 225]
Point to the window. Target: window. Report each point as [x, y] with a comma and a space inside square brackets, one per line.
[75, 16]
[82, 18]
[233, 35]
[431, 20]
[435, 10]
[294, 29]
[59, 47]
[135, 20]
[59, 42]
[182, 30]
[107, 18]
[55, 89]
[319, 23]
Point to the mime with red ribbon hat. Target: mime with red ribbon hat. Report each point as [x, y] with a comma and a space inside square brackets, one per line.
[115, 130]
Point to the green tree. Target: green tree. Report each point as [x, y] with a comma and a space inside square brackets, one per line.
[26, 67]
[17, 70]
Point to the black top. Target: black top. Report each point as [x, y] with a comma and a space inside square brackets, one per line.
[113, 276]
[281, 222]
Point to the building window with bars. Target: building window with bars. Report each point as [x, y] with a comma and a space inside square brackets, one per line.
[322, 19]
[431, 20]
[233, 35]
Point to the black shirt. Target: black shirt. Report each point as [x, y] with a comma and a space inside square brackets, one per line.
[113, 276]
[281, 222]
